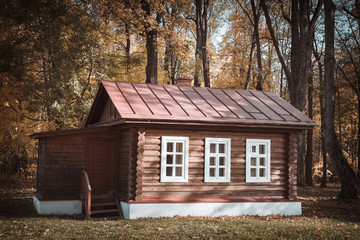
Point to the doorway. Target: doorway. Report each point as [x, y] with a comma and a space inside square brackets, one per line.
[100, 164]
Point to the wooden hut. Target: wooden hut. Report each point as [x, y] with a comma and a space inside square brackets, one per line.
[162, 150]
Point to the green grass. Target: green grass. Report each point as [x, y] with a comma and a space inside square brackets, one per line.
[323, 218]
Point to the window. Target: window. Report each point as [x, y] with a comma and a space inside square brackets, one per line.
[174, 159]
[257, 160]
[217, 159]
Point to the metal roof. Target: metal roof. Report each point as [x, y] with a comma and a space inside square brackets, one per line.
[139, 102]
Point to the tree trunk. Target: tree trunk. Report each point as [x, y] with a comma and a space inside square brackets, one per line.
[258, 47]
[248, 74]
[323, 148]
[201, 54]
[309, 143]
[281, 82]
[358, 138]
[343, 169]
[197, 78]
[205, 56]
[127, 49]
[302, 36]
[152, 56]
[151, 44]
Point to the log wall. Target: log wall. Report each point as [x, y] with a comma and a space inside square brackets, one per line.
[60, 162]
[61, 159]
[151, 189]
[127, 163]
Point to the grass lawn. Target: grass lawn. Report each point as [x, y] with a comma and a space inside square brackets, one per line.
[323, 218]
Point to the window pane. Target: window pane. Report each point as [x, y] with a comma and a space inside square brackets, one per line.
[253, 161]
[179, 159]
[212, 172]
[169, 171]
[262, 172]
[253, 172]
[221, 148]
[179, 147]
[222, 161]
[212, 161]
[253, 149]
[212, 147]
[262, 161]
[170, 147]
[169, 159]
[221, 172]
[261, 149]
[178, 171]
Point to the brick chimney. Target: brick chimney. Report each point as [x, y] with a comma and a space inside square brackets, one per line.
[183, 81]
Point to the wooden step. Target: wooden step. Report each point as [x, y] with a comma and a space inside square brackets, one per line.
[105, 211]
[104, 204]
[102, 196]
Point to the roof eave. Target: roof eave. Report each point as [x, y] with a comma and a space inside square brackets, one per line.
[287, 125]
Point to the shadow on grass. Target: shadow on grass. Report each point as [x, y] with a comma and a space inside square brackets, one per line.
[322, 203]
[16, 200]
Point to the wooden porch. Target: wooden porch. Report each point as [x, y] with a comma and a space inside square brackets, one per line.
[107, 205]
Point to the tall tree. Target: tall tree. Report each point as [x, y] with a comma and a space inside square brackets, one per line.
[254, 19]
[302, 23]
[151, 34]
[344, 171]
[201, 53]
[348, 64]
[319, 61]
[309, 143]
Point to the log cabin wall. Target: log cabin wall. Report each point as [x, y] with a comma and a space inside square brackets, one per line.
[60, 163]
[281, 185]
[61, 158]
[127, 163]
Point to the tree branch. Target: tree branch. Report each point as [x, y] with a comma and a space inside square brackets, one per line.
[247, 14]
[348, 80]
[274, 40]
[316, 13]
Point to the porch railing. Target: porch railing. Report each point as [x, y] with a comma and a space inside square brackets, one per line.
[85, 192]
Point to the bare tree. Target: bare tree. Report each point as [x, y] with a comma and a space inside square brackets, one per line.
[302, 24]
[343, 169]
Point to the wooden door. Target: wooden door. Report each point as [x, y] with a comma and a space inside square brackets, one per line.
[100, 164]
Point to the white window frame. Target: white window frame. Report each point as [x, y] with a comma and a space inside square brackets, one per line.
[227, 155]
[164, 153]
[250, 154]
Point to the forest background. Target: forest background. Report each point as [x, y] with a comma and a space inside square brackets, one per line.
[53, 55]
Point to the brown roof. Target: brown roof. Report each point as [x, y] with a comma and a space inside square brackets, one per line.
[138, 102]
